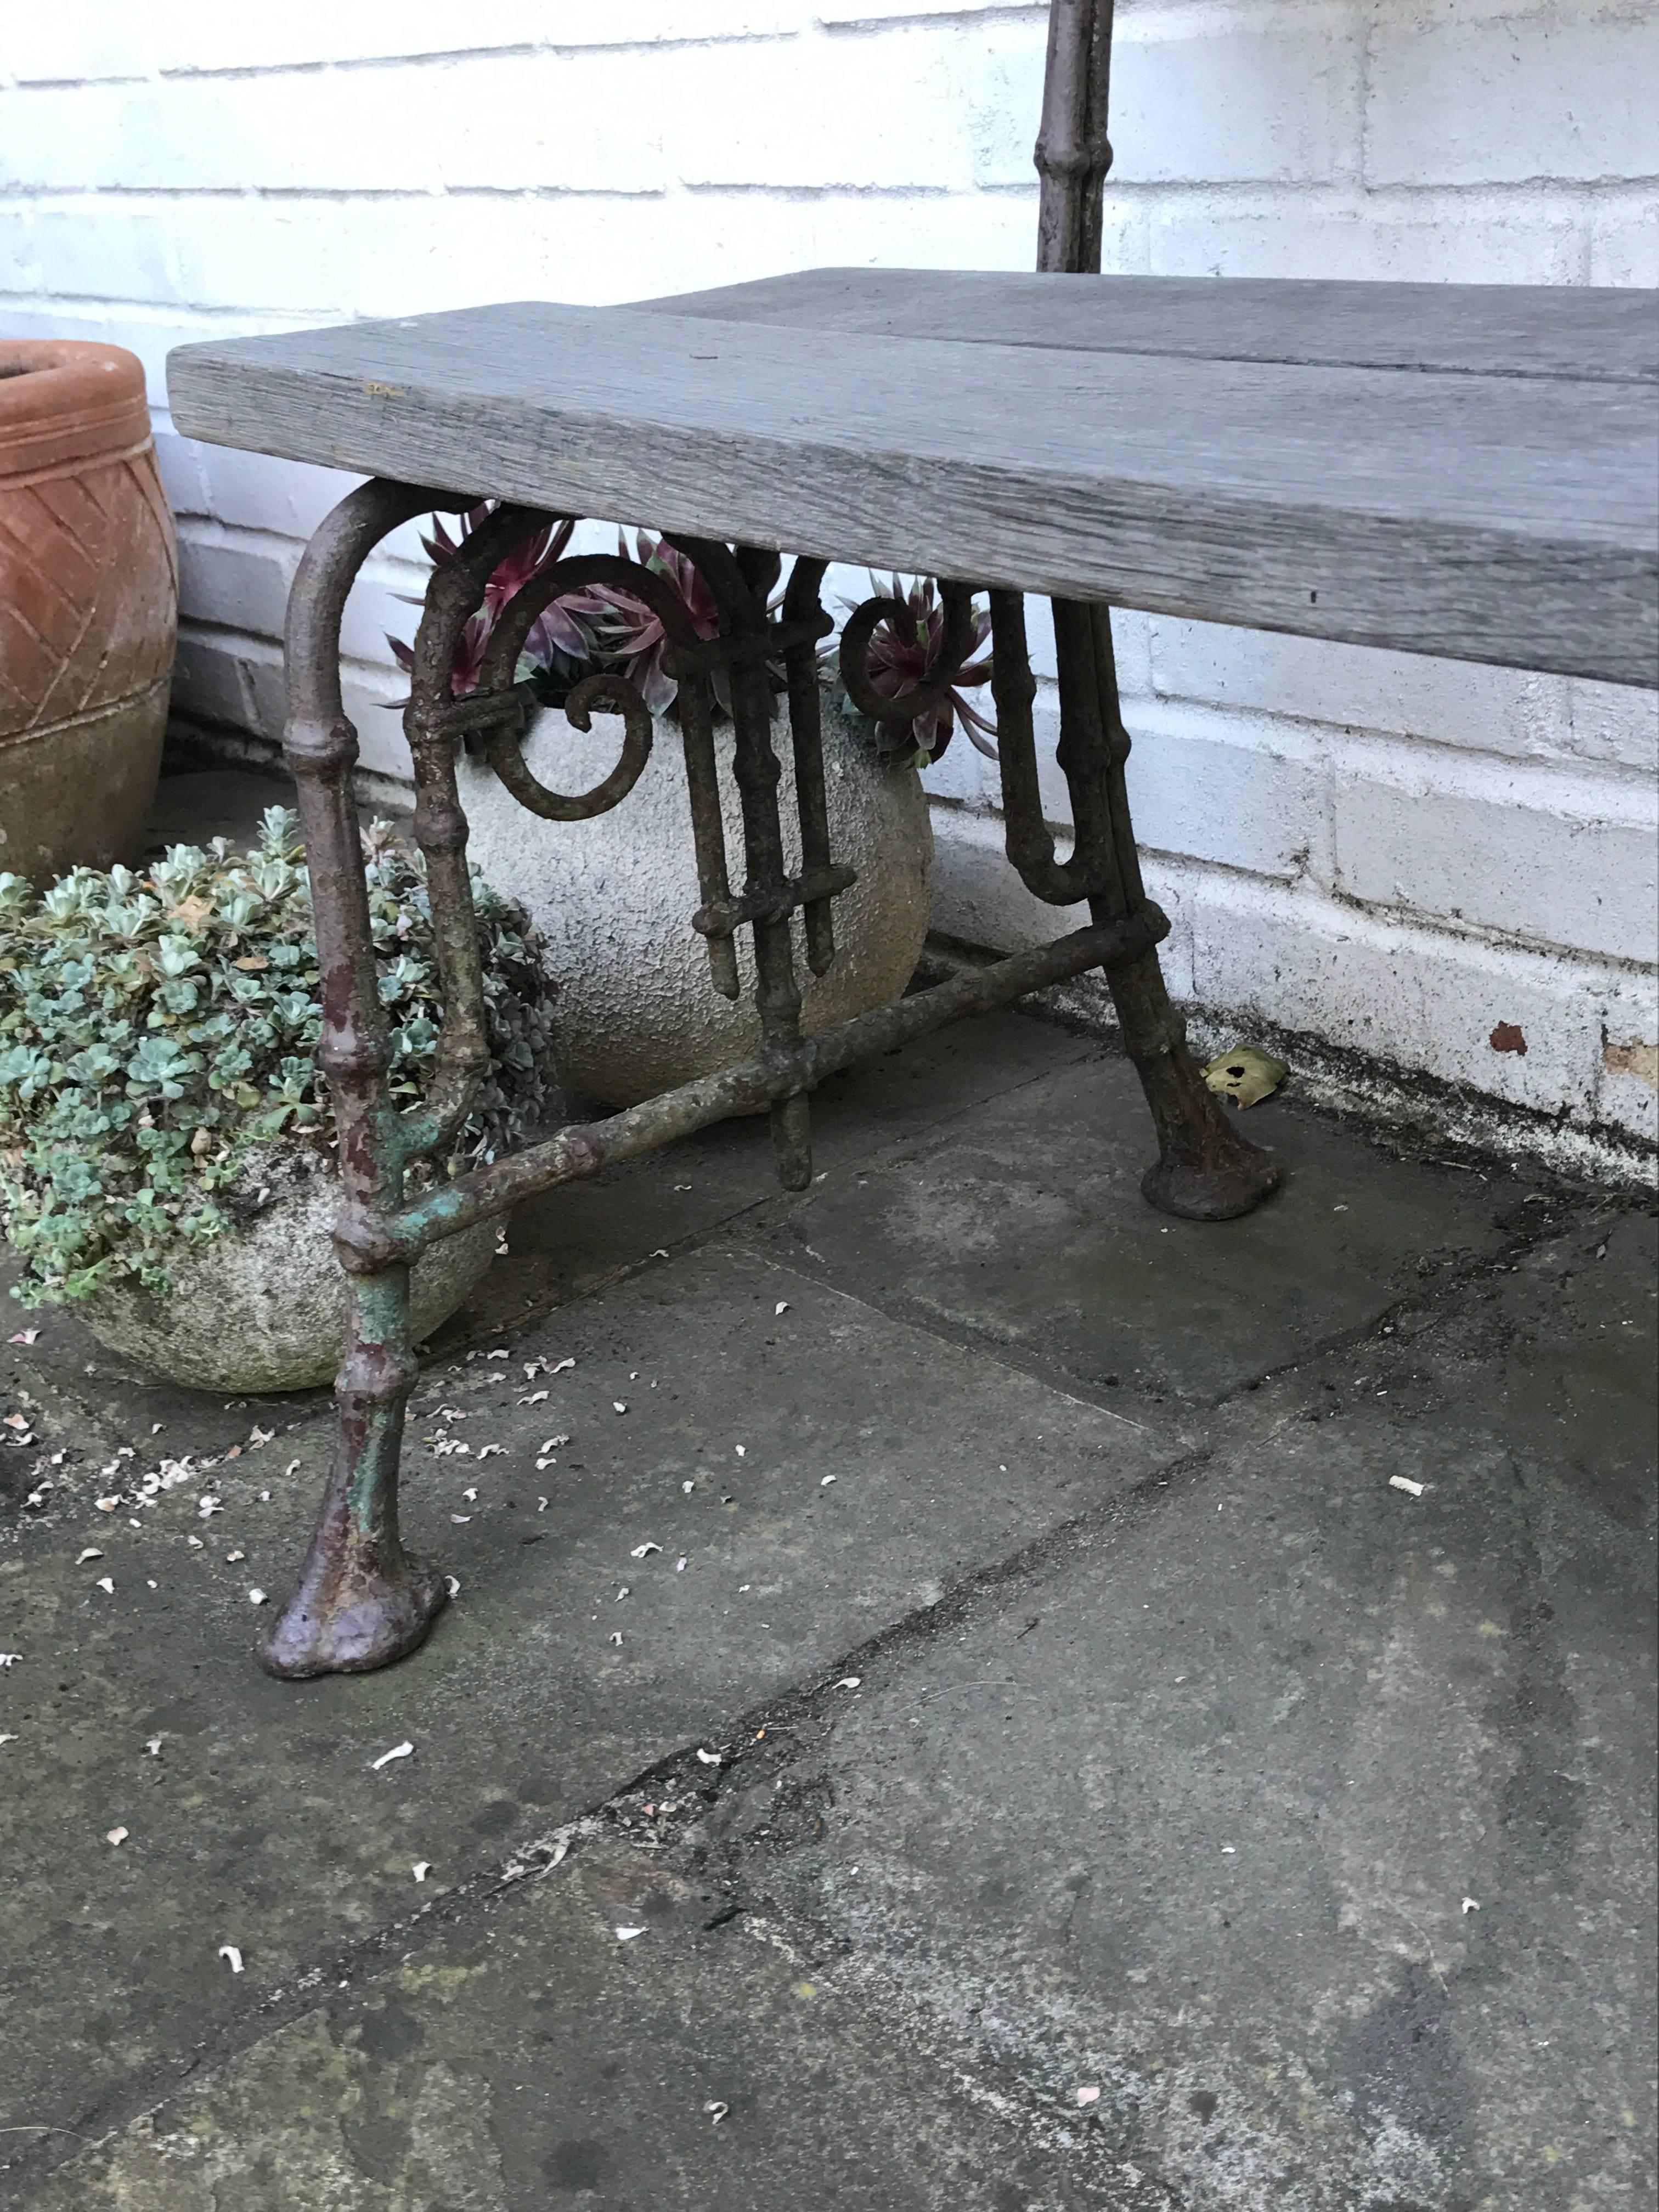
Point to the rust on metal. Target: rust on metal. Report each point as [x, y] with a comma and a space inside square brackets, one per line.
[456, 592]
[803, 623]
[1205, 1171]
[813, 887]
[740, 583]
[1073, 152]
[955, 650]
[586, 1149]
[361, 1602]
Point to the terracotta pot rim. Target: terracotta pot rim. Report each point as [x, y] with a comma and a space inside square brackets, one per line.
[68, 399]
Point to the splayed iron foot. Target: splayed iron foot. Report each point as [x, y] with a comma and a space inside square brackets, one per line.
[1218, 1192]
[343, 1620]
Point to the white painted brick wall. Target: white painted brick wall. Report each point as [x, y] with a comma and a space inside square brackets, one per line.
[1373, 852]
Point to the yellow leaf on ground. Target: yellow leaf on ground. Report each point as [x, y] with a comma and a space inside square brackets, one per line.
[1245, 1074]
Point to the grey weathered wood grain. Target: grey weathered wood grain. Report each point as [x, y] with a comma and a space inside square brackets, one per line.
[1484, 330]
[1501, 519]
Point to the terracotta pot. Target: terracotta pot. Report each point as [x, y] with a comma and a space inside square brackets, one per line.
[89, 607]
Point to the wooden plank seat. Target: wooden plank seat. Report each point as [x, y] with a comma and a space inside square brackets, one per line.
[1463, 471]
[1466, 470]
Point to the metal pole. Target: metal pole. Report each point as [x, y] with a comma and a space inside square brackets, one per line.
[1072, 150]
[1205, 1171]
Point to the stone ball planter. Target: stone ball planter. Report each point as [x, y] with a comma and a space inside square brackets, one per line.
[262, 1308]
[89, 607]
[612, 898]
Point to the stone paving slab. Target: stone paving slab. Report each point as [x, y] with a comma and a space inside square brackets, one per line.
[532, 2059]
[573, 1242]
[1179, 1816]
[988, 1476]
[1310, 1817]
[1020, 1225]
[844, 1470]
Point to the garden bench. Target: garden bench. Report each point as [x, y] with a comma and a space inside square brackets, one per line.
[1463, 470]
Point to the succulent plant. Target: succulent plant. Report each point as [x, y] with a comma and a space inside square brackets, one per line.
[605, 626]
[902, 656]
[557, 652]
[628, 637]
[156, 1030]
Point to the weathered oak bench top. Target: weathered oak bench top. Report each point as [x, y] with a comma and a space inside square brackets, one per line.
[1471, 471]
[1492, 330]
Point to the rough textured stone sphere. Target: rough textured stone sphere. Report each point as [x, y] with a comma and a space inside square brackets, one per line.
[263, 1308]
[613, 899]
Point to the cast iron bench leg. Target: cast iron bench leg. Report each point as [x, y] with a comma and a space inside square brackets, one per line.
[1205, 1170]
[361, 1601]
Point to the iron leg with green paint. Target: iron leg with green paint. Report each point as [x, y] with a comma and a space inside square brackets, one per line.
[361, 1601]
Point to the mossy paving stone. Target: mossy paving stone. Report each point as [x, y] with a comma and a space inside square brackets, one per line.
[536, 2060]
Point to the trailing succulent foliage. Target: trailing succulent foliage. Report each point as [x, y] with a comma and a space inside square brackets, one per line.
[158, 1032]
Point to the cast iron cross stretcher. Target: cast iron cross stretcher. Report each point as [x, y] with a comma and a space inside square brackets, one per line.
[1069, 475]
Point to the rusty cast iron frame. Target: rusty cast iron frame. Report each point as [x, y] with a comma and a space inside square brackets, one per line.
[361, 1601]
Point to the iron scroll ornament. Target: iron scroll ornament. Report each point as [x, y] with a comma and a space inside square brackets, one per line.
[957, 646]
[498, 742]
